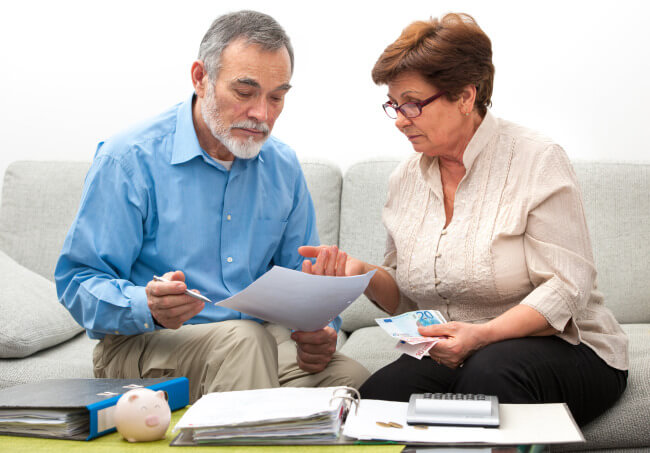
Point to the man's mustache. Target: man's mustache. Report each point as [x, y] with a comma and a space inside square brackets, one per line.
[251, 124]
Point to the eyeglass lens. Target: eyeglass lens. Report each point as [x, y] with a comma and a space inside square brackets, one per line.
[409, 110]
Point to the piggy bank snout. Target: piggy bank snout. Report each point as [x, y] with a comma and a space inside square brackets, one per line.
[152, 420]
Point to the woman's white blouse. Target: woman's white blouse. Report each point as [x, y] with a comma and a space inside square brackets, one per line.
[518, 236]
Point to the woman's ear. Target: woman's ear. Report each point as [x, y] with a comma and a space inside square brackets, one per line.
[466, 99]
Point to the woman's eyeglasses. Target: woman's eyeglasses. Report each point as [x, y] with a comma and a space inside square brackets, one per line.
[410, 109]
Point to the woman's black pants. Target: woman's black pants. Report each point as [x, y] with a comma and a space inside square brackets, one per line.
[523, 370]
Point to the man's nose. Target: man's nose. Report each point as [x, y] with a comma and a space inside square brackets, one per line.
[259, 110]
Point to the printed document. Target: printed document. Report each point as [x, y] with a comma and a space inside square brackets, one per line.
[298, 300]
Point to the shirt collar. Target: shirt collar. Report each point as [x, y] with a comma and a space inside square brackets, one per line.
[478, 142]
[186, 142]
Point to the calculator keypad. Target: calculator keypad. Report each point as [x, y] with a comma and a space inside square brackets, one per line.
[455, 396]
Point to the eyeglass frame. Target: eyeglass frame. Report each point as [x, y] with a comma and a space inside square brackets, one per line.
[419, 105]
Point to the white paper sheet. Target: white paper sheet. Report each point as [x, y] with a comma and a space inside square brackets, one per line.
[520, 424]
[363, 426]
[298, 300]
[259, 406]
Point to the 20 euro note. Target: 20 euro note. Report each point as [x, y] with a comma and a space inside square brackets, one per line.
[405, 328]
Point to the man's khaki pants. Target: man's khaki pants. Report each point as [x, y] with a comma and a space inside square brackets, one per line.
[217, 357]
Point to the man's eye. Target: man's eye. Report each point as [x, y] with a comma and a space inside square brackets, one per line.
[276, 98]
[243, 94]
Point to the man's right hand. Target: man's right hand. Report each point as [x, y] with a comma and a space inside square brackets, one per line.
[169, 306]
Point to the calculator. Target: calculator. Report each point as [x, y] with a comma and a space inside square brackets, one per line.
[456, 409]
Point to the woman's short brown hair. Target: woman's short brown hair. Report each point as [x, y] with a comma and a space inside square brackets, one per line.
[450, 53]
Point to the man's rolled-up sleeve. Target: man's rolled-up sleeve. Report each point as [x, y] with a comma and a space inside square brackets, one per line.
[98, 253]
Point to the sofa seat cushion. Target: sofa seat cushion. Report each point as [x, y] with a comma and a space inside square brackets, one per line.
[34, 318]
[72, 359]
[371, 347]
[626, 423]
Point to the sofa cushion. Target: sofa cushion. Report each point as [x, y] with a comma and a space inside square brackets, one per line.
[365, 187]
[324, 181]
[371, 347]
[33, 318]
[626, 423]
[72, 359]
[39, 202]
[617, 207]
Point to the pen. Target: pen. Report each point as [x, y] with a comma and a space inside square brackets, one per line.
[187, 291]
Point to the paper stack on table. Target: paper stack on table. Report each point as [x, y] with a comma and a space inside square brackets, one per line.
[520, 424]
[285, 415]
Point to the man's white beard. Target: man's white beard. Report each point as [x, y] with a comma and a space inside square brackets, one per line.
[243, 149]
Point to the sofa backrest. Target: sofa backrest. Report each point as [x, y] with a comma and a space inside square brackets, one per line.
[617, 208]
[40, 200]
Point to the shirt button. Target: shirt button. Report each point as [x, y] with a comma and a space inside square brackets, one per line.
[438, 255]
[443, 232]
[229, 259]
[436, 281]
[228, 217]
[146, 325]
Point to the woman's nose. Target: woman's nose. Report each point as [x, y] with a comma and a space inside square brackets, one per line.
[402, 121]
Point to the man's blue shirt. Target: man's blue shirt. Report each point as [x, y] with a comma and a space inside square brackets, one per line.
[154, 201]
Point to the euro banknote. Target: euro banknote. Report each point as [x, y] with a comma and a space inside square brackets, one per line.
[405, 328]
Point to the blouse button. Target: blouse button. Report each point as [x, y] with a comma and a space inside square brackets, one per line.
[438, 255]
[443, 232]
[436, 281]
[229, 259]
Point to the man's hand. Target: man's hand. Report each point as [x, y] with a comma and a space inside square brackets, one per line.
[459, 341]
[169, 306]
[315, 349]
[330, 261]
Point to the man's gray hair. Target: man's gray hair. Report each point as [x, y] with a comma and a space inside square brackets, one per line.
[256, 28]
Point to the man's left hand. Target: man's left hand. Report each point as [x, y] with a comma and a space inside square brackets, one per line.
[315, 349]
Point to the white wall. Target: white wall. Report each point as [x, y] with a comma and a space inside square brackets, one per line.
[76, 72]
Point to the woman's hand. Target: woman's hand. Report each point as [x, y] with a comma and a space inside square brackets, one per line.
[458, 341]
[330, 261]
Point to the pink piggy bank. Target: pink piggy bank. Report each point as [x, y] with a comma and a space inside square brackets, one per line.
[142, 415]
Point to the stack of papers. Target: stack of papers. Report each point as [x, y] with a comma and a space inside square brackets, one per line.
[44, 422]
[282, 415]
[520, 424]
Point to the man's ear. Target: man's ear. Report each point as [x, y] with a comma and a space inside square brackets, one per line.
[200, 78]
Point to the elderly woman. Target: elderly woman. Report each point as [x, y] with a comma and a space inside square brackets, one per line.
[485, 223]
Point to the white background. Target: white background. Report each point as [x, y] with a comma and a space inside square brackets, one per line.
[73, 73]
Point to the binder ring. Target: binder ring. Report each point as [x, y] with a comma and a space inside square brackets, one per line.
[351, 396]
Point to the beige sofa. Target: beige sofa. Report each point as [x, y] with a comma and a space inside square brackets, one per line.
[38, 339]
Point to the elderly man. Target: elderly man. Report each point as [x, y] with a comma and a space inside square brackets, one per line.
[203, 188]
